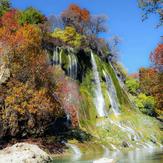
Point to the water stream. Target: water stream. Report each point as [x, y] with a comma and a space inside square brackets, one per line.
[72, 61]
[112, 94]
[72, 68]
[57, 56]
[99, 99]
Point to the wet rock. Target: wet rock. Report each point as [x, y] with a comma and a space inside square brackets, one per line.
[24, 152]
[153, 140]
[125, 144]
[104, 160]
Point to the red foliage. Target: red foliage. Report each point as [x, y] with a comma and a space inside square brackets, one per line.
[67, 91]
[10, 20]
[157, 56]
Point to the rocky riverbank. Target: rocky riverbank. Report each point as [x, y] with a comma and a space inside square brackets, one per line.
[24, 153]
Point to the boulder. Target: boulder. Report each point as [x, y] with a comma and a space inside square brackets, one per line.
[24, 153]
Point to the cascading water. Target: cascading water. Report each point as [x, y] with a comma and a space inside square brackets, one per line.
[112, 94]
[57, 56]
[72, 61]
[72, 69]
[73, 66]
[99, 99]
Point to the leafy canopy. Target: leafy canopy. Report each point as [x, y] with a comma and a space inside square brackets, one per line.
[31, 16]
[69, 36]
[146, 104]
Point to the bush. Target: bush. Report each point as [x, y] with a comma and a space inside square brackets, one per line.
[132, 85]
[146, 104]
[27, 111]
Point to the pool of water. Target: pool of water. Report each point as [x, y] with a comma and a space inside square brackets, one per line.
[137, 156]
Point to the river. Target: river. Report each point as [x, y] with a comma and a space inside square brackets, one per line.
[137, 156]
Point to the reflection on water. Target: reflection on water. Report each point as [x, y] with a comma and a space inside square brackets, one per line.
[143, 156]
[137, 156]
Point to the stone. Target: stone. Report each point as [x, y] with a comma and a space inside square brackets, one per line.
[24, 152]
[125, 144]
[104, 160]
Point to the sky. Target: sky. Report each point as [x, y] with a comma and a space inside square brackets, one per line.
[138, 38]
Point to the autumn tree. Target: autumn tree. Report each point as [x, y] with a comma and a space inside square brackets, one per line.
[157, 57]
[147, 78]
[28, 105]
[76, 17]
[27, 111]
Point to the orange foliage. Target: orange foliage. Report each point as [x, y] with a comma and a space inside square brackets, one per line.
[82, 13]
[34, 109]
[151, 83]
[25, 57]
[76, 17]
[147, 78]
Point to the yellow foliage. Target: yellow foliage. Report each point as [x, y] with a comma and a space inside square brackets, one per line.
[69, 36]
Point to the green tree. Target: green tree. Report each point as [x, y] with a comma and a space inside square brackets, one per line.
[132, 85]
[146, 104]
[32, 16]
[5, 6]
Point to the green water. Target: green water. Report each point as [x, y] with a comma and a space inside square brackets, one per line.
[137, 156]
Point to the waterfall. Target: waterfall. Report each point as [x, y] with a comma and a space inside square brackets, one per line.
[123, 87]
[76, 151]
[73, 64]
[131, 132]
[72, 68]
[72, 61]
[57, 56]
[112, 94]
[99, 99]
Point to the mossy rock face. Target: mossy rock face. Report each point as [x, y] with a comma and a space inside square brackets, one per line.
[124, 132]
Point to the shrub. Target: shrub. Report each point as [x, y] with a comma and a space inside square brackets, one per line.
[27, 111]
[146, 104]
[132, 85]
